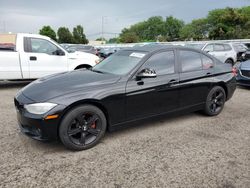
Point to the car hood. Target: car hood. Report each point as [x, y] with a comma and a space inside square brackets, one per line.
[82, 55]
[60, 84]
[245, 65]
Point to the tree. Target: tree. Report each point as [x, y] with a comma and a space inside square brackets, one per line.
[173, 27]
[79, 36]
[129, 37]
[227, 23]
[196, 30]
[48, 31]
[113, 40]
[64, 35]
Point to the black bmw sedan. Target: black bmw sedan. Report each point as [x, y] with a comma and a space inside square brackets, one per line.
[78, 107]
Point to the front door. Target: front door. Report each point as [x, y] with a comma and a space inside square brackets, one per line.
[45, 58]
[151, 96]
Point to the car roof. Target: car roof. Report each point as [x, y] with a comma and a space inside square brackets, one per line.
[157, 47]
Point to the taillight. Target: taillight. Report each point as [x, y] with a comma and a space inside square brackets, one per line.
[234, 71]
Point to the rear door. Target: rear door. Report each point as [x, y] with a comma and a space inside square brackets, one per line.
[44, 58]
[196, 75]
[151, 96]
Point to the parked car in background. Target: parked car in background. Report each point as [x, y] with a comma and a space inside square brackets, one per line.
[130, 85]
[222, 51]
[31, 56]
[106, 52]
[243, 73]
[240, 50]
[82, 48]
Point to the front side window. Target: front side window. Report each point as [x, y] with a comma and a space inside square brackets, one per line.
[209, 48]
[190, 61]
[162, 63]
[43, 46]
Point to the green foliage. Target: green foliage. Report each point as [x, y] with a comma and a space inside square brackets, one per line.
[228, 23]
[100, 39]
[172, 28]
[196, 30]
[129, 37]
[155, 28]
[48, 31]
[79, 36]
[113, 40]
[64, 35]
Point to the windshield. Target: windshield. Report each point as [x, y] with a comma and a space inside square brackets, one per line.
[120, 63]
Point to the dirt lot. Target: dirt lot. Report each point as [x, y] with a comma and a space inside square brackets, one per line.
[185, 151]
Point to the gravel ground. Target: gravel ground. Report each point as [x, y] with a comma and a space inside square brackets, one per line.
[190, 150]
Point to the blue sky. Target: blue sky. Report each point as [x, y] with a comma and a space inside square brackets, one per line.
[30, 15]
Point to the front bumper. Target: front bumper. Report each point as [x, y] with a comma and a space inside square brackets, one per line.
[36, 126]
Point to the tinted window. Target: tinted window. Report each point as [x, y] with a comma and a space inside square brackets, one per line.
[43, 46]
[190, 61]
[219, 47]
[227, 47]
[207, 62]
[162, 63]
[209, 48]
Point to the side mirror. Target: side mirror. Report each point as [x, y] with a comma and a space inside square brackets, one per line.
[60, 52]
[146, 73]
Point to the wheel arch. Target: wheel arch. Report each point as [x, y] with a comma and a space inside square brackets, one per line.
[231, 59]
[223, 85]
[83, 66]
[93, 102]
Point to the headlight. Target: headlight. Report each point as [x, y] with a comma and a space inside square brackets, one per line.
[39, 108]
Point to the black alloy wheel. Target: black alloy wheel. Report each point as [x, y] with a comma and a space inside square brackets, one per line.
[82, 127]
[215, 101]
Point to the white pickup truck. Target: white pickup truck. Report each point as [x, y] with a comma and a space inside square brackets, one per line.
[31, 56]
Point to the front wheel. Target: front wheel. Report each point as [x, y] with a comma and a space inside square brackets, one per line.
[215, 101]
[83, 127]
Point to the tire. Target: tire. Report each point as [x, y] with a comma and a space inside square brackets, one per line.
[229, 61]
[83, 67]
[215, 101]
[82, 127]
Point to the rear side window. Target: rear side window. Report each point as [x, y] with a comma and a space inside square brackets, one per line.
[227, 47]
[207, 62]
[219, 47]
[162, 63]
[190, 61]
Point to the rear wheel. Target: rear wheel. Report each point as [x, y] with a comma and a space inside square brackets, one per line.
[215, 101]
[229, 61]
[83, 127]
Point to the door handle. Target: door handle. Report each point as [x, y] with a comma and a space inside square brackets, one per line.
[172, 82]
[33, 58]
[209, 73]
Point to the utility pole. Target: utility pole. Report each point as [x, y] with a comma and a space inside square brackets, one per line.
[102, 28]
